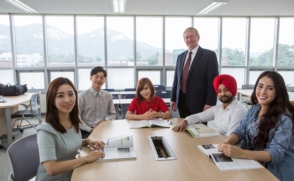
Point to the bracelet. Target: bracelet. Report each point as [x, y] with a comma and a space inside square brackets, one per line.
[163, 115]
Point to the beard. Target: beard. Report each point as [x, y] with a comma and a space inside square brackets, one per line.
[226, 99]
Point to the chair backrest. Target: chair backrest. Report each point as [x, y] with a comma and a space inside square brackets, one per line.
[159, 87]
[130, 89]
[24, 157]
[247, 86]
[130, 96]
[109, 90]
[163, 94]
[35, 101]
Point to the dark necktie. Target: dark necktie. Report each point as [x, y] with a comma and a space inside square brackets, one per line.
[185, 73]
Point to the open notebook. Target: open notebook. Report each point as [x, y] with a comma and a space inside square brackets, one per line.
[149, 123]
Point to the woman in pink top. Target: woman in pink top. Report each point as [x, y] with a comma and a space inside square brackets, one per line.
[146, 105]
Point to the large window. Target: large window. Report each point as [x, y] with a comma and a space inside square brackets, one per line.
[90, 41]
[253, 75]
[60, 41]
[288, 77]
[149, 41]
[233, 41]
[29, 43]
[170, 78]
[153, 75]
[237, 73]
[34, 49]
[6, 77]
[120, 41]
[286, 42]
[120, 78]
[174, 40]
[34, 80]
[66, 74]
[208, 31]
[261, 42]
[5, 42]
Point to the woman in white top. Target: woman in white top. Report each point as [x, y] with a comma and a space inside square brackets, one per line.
[227, 115]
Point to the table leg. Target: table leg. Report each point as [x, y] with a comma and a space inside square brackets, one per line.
[8, 125]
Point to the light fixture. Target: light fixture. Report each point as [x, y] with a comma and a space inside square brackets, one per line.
[119, 6]
[22, 6]
[212, 6]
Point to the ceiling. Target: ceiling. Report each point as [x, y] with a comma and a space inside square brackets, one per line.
[157, 7]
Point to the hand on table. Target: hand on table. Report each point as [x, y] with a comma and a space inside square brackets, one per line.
[180, 127]
[230, 150]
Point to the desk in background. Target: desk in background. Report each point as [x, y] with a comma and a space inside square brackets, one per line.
[248, 92]
[9, 107]
[191, 163]
[121, 94]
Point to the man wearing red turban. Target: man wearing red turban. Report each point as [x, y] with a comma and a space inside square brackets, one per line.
[227, 115]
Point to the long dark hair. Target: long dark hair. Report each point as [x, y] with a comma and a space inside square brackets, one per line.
[140, 86]
[280, 105]
[52, 112]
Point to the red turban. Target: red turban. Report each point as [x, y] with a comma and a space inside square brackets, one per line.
[228, 81]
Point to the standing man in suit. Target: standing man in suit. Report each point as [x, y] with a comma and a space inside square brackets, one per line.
[196, 68]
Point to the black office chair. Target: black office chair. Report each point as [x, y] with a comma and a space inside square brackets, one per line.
[130, 89]
[124, 107]
[159, 87]
[164, 94]
[111, 90]
[31, 110]
[24, 157]
[130, 96]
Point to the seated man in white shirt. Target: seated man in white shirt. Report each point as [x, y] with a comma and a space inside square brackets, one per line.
[95, 104]
[227, 115]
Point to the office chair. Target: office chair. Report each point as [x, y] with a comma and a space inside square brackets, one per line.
[130, 96]
[24, 157]
[124, 107]
[159, 87]
[130, 89]
[111, 90]
[164, 94]
[31, 110]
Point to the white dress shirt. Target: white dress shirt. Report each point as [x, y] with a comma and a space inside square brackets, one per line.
[225, 120]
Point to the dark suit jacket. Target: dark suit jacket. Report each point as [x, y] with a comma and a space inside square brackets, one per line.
[199, 86]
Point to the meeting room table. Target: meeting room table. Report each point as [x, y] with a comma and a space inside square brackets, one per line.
[190, 162]
[8, 108]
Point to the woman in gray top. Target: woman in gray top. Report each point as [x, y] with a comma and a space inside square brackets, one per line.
[60, 137]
